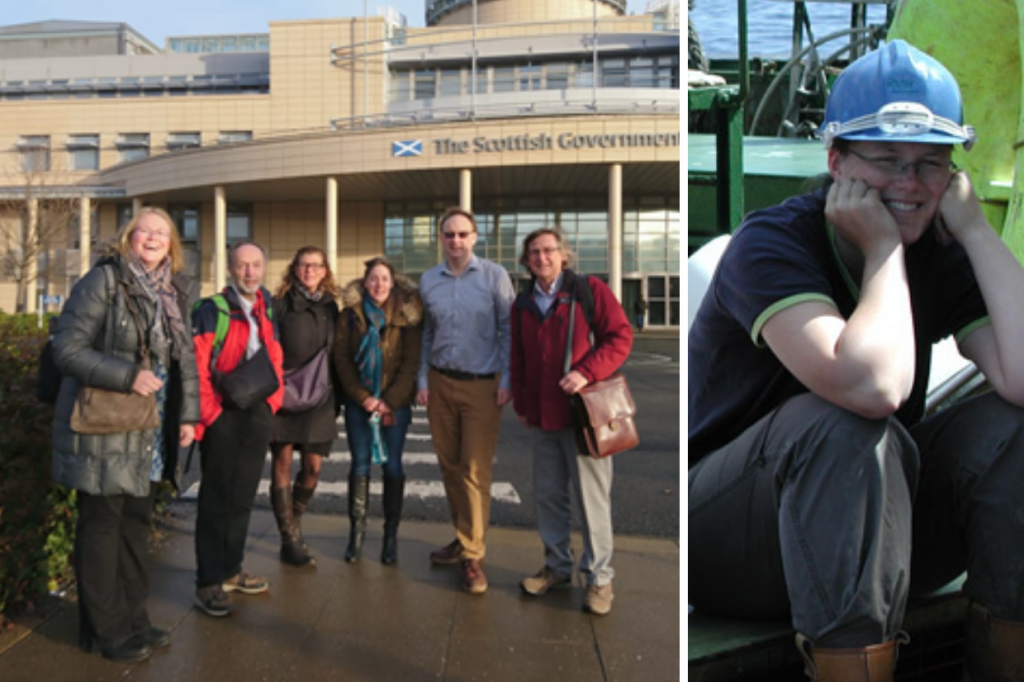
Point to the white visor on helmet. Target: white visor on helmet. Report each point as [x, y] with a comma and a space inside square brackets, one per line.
[901, 122]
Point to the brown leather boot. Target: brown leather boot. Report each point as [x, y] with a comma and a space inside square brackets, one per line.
[874, 663]
[993, 647]
[292, 550]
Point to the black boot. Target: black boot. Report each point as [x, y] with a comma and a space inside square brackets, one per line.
[292, 550]
[300, 501]
[394, 492]
[358, 500]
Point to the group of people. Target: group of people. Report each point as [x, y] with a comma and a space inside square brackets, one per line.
[244, 370]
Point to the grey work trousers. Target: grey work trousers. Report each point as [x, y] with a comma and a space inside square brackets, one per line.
[557, 468]
[833, 520]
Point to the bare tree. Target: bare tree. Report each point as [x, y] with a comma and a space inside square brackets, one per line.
[39, 213]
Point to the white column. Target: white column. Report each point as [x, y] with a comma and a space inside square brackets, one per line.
[84, 235]
[332, 224]
[615, 229]
[136, 205]
[220, 238]
[29, 246]
[466, 190]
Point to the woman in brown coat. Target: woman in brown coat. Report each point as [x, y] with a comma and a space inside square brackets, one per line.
[377, 354]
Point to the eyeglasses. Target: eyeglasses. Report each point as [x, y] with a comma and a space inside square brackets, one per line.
[926, 170]
[547, 251]
[158, 234]
[310, 266]
[453, 235]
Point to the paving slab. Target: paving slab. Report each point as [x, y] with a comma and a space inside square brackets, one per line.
[367, 621]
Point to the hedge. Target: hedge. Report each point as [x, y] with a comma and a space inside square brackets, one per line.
[37, 517]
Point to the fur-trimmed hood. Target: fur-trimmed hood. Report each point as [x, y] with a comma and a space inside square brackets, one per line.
[409, 311]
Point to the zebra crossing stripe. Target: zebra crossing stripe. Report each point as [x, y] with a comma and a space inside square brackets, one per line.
[345, 456]
[500, 491]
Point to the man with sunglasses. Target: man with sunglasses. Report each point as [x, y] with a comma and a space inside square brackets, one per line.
[464, 383]
[818, 488]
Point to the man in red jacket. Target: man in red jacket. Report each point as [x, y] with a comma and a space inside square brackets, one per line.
[233, 437]
[540, 396]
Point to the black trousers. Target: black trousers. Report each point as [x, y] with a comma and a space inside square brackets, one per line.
[834, 520]
[110, 552]
[233, 452]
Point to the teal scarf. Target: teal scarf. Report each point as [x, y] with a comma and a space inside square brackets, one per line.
[370, 362]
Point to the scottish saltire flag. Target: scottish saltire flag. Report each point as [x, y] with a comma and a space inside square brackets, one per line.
[407, 148]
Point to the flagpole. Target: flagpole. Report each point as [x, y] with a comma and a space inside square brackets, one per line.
[472, 106]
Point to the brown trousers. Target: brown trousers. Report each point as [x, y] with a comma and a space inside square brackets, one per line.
[464, 421]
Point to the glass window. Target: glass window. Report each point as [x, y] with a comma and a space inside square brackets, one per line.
[124, 215]
[481, 81]
[229, 44]
[557, 76]
[176, 141]
[585, 75]
[35, 152]
[425, 85]
[247, 44]
[239, 222]
[83, 159]
[83, 152]
[451, 82]
[504, 79]
[400, 90]
[186, 220]
[234, 136]
[641, 72]
[613, 73]
[529, 77]
[133, 146]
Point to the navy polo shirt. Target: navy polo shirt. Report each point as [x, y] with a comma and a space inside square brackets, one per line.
[782, 256]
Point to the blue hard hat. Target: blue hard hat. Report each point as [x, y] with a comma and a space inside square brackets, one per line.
[896, 94]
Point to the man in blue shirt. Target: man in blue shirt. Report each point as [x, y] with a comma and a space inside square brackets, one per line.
[464, 383]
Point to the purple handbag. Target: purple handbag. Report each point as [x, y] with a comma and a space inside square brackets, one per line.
[307, 386]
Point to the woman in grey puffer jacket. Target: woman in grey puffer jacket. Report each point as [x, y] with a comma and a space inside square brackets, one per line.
[96, 343]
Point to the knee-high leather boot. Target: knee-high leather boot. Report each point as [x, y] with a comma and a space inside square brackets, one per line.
[394, 492]
[874, 663]
[358, 500]
[300, 501]
[993, 647]
[292, 550]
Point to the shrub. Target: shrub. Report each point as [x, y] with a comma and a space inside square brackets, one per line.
[37, 518]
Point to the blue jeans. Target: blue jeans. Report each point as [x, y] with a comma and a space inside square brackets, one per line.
[360, 439]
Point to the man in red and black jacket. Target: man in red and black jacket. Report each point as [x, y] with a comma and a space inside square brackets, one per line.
[233, 440]
[540, 396]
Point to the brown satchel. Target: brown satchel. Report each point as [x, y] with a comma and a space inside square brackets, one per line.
[98, 411]
[604, 413]
[603, 410]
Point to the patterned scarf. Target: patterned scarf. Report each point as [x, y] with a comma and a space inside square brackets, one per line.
[157, 285]
[370, 362]
[313, 296]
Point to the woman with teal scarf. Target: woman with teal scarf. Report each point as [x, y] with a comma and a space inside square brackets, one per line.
[377, 355]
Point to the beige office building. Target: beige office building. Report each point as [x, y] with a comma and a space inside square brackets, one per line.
[350, 134]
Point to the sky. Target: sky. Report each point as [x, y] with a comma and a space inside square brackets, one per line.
[157, 19]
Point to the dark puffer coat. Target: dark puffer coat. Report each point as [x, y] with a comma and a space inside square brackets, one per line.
[305, 327]
[119, 463]
[400, 344]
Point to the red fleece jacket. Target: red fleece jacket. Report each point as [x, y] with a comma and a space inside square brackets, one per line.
[204, 331]
[538, 350]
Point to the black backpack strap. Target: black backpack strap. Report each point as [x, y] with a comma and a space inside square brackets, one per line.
[586, 298]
